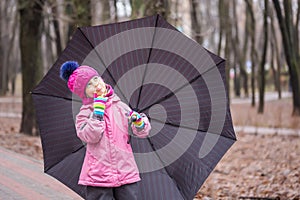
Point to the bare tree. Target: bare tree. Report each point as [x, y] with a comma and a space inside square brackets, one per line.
[176, 4]
[196, 26]
[14, 50]
[225, 27]
[236, 48]
[228, 36]
[106, 11]
[221, 24]
[100, 11]
[115, 11]
[290, 37]
[31, 18]
[254, 56]
[240, 52]
[275, 54]
[3, 68]
[9, 62]
[8, 30]
[209, 16]
[58, 42]
[49, 34]
[263, 60]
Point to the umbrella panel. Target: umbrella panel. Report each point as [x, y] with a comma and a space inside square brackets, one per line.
[56, 120]
[57, 129]
[68, 170]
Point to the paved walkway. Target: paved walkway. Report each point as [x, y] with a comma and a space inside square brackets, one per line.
[22, 178]
[267, 131]
[269, 96]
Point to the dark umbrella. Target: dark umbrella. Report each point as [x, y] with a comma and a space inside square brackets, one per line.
[156, 70]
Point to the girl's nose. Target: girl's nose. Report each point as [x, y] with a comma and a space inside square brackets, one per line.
[96, 83]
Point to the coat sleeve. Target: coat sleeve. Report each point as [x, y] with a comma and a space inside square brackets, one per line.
[89, 130]
[145, 131]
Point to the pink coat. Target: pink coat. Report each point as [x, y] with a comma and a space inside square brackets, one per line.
[109, 160]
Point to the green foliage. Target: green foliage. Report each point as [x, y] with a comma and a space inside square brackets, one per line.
[161, 7]
[79, 12]
[138, 8]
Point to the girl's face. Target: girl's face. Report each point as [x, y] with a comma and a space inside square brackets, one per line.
[95, 85]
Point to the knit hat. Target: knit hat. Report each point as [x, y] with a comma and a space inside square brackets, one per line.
[77, 78]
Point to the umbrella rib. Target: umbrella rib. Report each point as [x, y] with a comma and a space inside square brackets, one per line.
[180, 88]
[186, 127]
[148, 60]
[50, 95]
[178, 126]
[109, 73]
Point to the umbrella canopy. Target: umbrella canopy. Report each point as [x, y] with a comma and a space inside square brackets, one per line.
[156, 70]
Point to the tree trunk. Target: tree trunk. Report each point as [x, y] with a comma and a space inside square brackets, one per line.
[30, 43]
[12, 55]
[116, 11]
[106, 11]
[221, 25]
[14, 50]
[272, 63]
[196, 27]
[275, 55]
[254, 56]
[4, 44]
[176, 13]
[243, 57]
[236, 48]
[228, 35]
[96, 7]
[210, 18]
[48, 53]
[69, 10]
[263, 61]
[290, 38]
[237, 80]
[2, 68]
[56, 30]
[1, 50]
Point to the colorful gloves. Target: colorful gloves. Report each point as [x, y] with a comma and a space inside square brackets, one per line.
[99, 106]
[136, 120]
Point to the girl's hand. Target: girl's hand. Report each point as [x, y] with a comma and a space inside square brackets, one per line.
[136, 120]
[99, 106]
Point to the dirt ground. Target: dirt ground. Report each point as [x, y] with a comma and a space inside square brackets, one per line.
[257, 166]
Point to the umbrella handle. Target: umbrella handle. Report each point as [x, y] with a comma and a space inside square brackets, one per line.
[133, 118]
[130, 133]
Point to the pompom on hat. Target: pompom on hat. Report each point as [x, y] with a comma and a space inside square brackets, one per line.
[77, 78]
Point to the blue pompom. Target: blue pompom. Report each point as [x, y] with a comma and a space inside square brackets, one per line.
[67, 69]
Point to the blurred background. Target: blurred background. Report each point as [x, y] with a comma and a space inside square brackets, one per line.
[258, 38]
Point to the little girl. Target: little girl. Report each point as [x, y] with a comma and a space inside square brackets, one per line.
[109, 170]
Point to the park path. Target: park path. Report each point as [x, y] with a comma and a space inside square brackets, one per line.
[22, 178]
